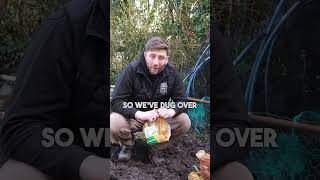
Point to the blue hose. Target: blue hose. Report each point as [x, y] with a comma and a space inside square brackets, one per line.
[259, 60]
[199, 60]
[192, 75]
[259, 55]
[267, 40]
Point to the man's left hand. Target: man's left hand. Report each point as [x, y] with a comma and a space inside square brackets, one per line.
[166, 113]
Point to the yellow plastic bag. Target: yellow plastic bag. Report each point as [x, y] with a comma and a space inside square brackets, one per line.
[157, 131]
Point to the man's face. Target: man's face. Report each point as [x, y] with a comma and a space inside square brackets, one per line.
[156, 59]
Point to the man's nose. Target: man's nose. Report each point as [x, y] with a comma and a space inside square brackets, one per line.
[156, 61]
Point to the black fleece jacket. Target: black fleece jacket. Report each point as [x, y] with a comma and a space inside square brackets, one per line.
[228, 104]
[135, 84]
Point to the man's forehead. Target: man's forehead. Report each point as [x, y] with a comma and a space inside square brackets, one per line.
[157, 51]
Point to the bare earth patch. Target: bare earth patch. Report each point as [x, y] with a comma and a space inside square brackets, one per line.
[180, 158]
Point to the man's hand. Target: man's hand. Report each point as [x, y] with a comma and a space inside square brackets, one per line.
[166, 113]
[147, 116]
[94, 168]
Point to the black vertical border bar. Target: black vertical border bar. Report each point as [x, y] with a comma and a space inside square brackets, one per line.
[211, 22]
[107, 14]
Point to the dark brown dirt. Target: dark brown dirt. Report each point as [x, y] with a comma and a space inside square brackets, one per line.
[180, 158]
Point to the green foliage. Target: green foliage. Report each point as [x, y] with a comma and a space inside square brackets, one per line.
[18, 20]
[241, 21]
[185, 24]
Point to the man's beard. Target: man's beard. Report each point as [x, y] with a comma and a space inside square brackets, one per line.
[158, 71]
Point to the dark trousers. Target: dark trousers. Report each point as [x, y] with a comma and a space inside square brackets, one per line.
[15, 170]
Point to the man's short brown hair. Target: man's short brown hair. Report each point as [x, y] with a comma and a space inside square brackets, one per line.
[157, 43]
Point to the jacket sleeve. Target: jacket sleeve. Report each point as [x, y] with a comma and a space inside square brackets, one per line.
[122, 92]
[40, 100]
[179, 93]
[228, 103]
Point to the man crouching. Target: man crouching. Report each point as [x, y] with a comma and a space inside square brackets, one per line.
[149, 79]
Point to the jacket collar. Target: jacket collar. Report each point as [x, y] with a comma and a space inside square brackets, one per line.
[98, 22]
[143, 66]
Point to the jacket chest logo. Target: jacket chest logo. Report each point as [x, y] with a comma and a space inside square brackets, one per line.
[163, 88]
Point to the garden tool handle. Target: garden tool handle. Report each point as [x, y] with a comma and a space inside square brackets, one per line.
[198, 100]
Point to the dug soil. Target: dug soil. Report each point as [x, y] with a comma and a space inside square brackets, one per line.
[179, 159]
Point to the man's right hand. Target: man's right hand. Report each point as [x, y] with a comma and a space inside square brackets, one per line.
[147, 116]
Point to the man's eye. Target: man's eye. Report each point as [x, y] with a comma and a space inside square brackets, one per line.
[161, 58]
[152, 56]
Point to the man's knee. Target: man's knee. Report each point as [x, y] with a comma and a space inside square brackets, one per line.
[117, 122]
[116, 117]
[15, 170]
[183, 123]
[231, 171]
[120, 130]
